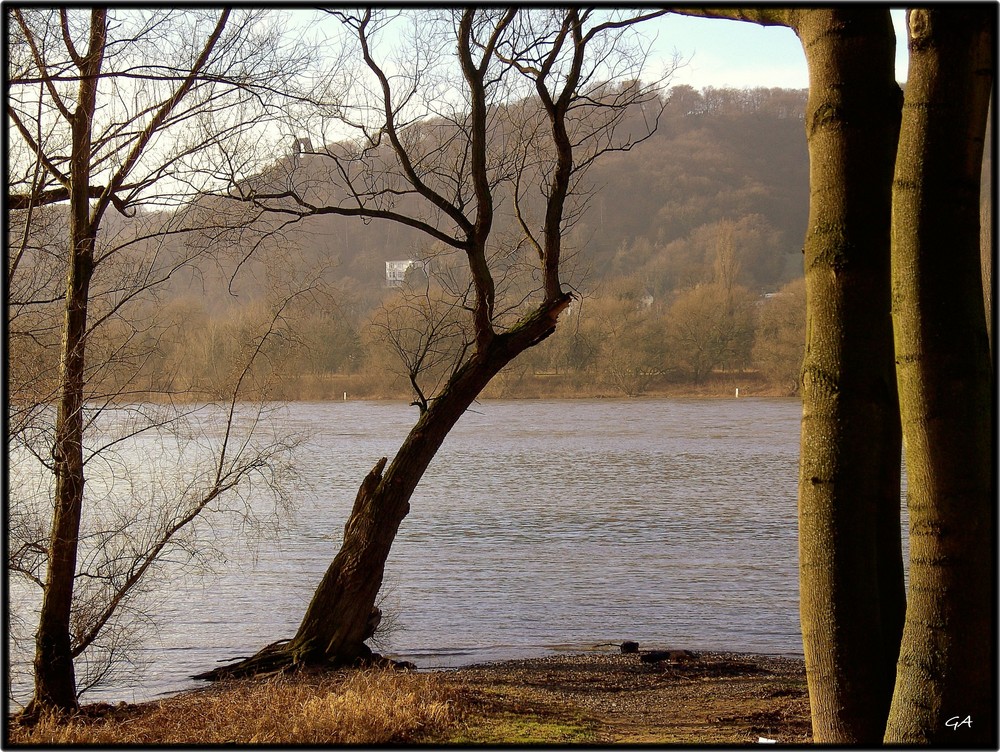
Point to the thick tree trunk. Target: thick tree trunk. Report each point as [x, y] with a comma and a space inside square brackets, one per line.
[851, 579]
[342, 615]
[852, 600]
[944, 370]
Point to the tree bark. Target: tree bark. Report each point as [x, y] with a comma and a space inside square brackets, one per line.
[55, 679]
[852, 599]
[945, 375]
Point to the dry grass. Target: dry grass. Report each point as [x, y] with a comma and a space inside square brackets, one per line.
[359, 707]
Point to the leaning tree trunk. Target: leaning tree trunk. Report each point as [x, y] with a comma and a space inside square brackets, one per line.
[852, 597]
[945, 385]
[342, 615]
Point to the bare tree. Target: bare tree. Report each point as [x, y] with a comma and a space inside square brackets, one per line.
[429, 336]
[780, 335]
[528, 111]
[710, 326]
[118, 109]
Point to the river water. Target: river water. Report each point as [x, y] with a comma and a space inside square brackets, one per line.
[541, 526]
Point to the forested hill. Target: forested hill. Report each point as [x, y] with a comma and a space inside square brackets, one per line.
[737, 155]
[725, 176]
[719, 155]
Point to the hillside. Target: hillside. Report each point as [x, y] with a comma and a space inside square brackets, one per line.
[717, 155]
[725, 174]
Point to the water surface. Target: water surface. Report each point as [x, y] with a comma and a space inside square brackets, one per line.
[540, 526]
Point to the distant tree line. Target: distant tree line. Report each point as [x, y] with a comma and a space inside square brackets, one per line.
[618, 341]
[718, 155]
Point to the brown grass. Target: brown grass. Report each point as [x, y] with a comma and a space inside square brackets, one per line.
[359, 707]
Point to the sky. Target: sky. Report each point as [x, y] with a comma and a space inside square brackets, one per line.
[738, 54]
[715, 52]
[734, 54]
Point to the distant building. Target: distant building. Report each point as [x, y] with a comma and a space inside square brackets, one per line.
[395, 271]
[770, 296]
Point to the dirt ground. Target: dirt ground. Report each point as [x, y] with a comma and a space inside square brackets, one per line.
[693, 698]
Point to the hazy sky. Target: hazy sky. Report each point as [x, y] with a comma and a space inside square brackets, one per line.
[739, 54]
[715, 52]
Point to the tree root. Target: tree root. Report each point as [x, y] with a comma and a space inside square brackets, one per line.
[283, 657]
[272, 659]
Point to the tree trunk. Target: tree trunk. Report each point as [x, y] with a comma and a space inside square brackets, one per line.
[945, 374]
[55, 679]
[852, 600]
[342, 615]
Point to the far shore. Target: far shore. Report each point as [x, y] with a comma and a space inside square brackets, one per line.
[364, 393]
[541, 386]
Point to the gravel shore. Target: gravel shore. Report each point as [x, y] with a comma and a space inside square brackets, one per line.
[691, 698]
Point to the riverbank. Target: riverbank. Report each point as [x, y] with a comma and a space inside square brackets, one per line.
[521, 384]
[593, 698]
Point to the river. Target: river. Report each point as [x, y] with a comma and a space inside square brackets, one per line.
[541, 526]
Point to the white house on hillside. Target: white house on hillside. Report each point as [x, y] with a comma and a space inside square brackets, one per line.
[395, 271]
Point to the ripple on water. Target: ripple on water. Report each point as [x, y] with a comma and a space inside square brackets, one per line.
[540, 526]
